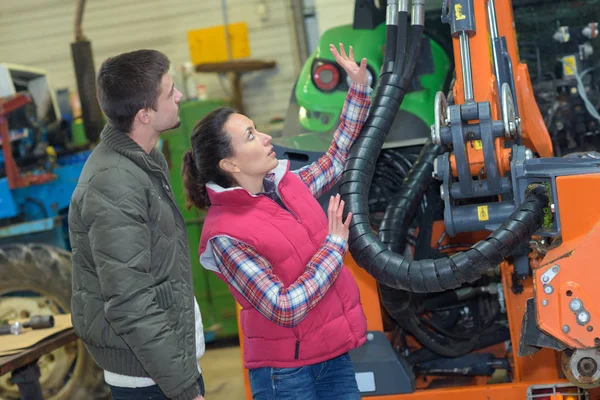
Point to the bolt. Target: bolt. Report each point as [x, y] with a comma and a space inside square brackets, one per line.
[575, 305]
[566, 328]
[590, 328]
[528, 153]
[544, 302]
[552, 208]
[370, 336]
[548, 289]
[587, 366]
[555, 269]
[545, 278]
[583, 317]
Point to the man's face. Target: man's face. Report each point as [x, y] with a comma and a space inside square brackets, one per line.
[166, 115]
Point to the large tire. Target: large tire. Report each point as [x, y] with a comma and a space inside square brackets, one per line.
[40, 275]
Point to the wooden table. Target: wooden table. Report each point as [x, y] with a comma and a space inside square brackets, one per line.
[235, 69]
[24, 368]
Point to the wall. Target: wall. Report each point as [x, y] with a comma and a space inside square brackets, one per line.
[39, 32]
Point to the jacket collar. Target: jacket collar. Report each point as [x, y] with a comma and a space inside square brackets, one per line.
[220, 195]
[123, 144]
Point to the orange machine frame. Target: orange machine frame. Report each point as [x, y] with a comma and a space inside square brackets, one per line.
[543, 367]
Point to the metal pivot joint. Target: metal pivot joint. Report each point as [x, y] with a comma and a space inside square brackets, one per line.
[459, 127]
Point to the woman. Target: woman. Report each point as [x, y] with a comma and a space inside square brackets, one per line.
[267, 237]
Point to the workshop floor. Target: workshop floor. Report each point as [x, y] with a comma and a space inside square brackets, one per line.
[222, 372]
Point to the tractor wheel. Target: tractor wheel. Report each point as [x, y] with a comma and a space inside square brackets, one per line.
[35, 279]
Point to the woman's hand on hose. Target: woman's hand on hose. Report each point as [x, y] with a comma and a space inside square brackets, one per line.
[357, 73]
[334, 214]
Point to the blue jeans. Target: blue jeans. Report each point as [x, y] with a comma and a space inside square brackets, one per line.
[145, 393]
[333, 380]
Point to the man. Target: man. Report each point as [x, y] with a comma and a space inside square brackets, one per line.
[133, 304]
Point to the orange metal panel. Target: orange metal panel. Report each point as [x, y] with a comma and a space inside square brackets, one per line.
[369, 295]
[579, 212]
[575, 258]
[509, 391]
[542, 365]
[535, 132]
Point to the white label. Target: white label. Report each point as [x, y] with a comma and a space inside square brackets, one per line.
[365, 381]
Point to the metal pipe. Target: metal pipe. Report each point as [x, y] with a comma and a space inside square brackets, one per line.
[465, 56]
[226, 26]
[492, 19]
[491, 13]
[403, 6]
[391, 17]
[79, 20]
[418, 12]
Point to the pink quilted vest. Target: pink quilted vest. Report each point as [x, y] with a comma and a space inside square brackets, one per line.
[288, 241]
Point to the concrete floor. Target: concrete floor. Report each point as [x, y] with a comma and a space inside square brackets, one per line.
[223, 373]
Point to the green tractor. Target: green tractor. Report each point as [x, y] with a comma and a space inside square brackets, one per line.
[318, 95]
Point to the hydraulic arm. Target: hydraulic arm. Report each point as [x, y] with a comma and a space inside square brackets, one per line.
[491, 152]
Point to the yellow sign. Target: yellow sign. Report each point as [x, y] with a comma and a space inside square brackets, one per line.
[477, 145]
[458, 12]
[208, 45]
[482, 213]
[569, 66]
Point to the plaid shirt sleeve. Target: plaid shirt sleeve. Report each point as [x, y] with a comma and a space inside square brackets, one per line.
[321, 175]
[252, 275]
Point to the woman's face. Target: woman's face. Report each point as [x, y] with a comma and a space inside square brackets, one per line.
[253, 153]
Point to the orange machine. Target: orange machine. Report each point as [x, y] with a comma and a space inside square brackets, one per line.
[495, 149]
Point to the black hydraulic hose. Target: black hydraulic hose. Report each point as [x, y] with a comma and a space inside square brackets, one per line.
[390, 268]
[451, 272]
[487, 339]
[401, 42]
[412, 53]
[391, 36]
[412, 324]
[402, 208]
[389, 56]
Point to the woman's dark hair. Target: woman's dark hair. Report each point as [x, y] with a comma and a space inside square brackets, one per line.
[210, 144]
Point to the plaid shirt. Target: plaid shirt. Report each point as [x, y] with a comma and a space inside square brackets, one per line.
[252, 275]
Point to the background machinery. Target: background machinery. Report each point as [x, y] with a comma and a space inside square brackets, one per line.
[560, 45]
[44, 143]
[43, 152]
[476, 270]
[44, 147]
[319, 92]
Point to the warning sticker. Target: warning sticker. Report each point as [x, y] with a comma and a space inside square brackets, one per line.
[477, 145]
[482, 213]
[569, 65]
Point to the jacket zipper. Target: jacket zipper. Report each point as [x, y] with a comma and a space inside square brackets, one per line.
[286, 205]
[166, 185]
[173, 203]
